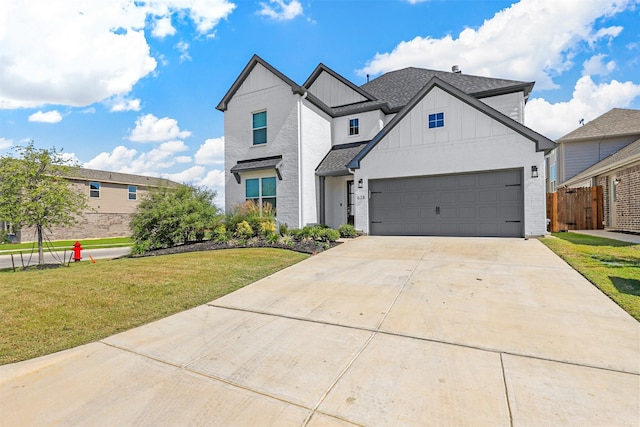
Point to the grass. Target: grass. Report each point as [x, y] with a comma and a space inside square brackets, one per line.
[611, 265]
[44, 311]
[61, 245]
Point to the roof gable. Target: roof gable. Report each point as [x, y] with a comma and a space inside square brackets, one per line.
[322, 72]
[615, 122]
[255, 60]
[542, 142]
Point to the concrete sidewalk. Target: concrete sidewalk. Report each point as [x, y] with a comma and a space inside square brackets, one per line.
[615, 235]
[378, 331]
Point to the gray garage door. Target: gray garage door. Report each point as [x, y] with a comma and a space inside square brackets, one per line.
[472, 204]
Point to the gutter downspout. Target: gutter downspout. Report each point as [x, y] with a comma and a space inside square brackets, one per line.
[300, 211]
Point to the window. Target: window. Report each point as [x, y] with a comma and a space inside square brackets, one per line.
[94, 189]
[133, 192]
[261, 190]
[260, 128]
[436, 120]
[354, 127]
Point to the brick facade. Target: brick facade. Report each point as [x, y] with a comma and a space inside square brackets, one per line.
[627, 214]
[90, 226]
[628, 199]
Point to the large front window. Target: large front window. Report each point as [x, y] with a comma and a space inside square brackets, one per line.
[260, 128]
[261, 190]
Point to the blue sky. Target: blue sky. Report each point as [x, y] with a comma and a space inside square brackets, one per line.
[131, 86]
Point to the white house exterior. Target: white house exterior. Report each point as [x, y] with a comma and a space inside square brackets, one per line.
[413, 152]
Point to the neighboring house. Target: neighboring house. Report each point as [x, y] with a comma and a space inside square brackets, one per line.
[113, 198]
[412, 152]
[619, 176]
[591, 143]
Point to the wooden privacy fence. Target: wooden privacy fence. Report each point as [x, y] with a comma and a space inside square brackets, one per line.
[575, 209]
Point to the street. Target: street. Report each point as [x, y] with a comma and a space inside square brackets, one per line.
[57, 257]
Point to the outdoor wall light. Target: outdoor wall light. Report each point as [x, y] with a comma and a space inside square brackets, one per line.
[617, 181]
[360, 184]
[534, 171]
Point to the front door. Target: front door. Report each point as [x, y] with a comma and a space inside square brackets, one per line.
[350, 205]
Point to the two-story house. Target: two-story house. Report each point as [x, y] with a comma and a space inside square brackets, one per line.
[113, 198]
[412, 152]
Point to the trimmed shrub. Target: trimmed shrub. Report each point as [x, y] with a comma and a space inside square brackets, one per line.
[243, 230]
[329, 234]
[267, 227]
[347, 230]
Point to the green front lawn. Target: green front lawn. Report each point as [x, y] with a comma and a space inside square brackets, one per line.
[611, 265]
[44, 311]
[61, 245]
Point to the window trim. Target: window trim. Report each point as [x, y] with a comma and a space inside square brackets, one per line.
[92, 190]
[354, 126]
[259, 128]
[436, 120]
[134, 192]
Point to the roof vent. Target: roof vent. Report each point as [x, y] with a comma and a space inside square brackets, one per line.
[456, 69]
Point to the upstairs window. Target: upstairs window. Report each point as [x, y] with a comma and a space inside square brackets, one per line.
[261, 190]
[260, 128]
[94, 190]
[354, 127]
[133, 192]
[436, 120]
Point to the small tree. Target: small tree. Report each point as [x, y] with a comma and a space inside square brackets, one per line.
[35, 191]
[170, 216]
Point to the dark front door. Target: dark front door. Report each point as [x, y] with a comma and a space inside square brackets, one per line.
[350, 205]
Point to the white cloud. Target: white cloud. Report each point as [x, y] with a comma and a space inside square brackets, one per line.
[162, 27]
[5, 143]
[183, 159]
[149, 128]
[589, 101]
[198, 176]
[152, 162]
[70, 158]
[52, 116]
[183, 48]
[90, 110]
[596, 66]
[211, 152]
[532, 40]
[280, 10]
[119, 103]
[79, 52]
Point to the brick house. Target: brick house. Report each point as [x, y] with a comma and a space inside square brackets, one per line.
[113, 198]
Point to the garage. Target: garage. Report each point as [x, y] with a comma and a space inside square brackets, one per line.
[488, 203]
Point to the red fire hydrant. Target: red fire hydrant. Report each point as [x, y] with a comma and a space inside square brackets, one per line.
[77, 247]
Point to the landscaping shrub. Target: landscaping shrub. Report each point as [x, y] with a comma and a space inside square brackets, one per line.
[329, 234]
[243, 230]
[220, 234]
[347, 230]
[267, 227]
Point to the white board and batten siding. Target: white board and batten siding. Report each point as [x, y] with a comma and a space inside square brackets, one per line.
[470, 141]
[333, 92]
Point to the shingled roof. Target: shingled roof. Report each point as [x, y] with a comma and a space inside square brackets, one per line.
[336, 160]
[121, 178]
[397, 88]
[616, 122]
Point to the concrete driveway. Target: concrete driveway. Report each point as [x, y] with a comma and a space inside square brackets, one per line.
[378, 331]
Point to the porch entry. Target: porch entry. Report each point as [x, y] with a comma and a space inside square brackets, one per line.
[350, 204]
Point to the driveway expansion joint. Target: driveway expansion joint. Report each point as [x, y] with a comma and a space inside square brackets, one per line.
[432, 340]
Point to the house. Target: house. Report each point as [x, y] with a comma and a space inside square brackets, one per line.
[591, 143]
[113, 198]
[412, 152]
[618, 172]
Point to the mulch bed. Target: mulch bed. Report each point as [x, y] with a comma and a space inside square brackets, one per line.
[304, 246]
